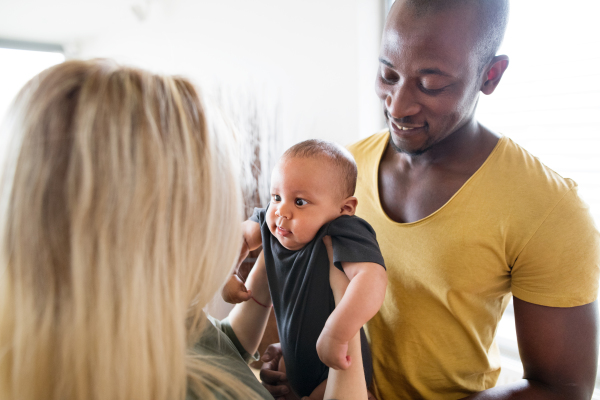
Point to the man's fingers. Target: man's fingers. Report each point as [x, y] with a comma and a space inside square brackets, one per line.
[266, 357]
[271, 353]
[272, 377]
[276, 391]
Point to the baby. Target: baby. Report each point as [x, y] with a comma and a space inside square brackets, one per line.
[312, 189]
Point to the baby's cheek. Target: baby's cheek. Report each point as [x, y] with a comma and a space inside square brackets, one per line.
[269, 218]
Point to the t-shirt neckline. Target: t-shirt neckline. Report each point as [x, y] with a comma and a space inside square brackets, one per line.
[501, 143]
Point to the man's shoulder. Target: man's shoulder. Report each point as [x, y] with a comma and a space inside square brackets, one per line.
[517, 167]
[371, 145]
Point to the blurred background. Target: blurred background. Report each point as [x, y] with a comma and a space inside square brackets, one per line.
[286, 71]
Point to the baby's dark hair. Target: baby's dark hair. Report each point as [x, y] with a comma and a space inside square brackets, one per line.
[335, 154]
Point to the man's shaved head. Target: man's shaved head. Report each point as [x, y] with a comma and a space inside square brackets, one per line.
[493, 17]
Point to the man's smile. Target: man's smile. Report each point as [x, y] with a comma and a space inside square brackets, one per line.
[405, 127]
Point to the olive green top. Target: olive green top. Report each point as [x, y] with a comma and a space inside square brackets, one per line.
[220, 343]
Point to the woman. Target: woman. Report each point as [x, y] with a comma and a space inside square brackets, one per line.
[120, 220]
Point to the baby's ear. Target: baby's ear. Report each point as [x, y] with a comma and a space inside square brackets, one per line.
[349, 206]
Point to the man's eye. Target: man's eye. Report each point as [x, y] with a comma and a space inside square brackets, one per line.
[301, 202]
[276, 197]
[388, 78]
[431, 90]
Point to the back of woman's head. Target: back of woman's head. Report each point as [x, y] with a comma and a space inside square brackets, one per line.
[119, 225]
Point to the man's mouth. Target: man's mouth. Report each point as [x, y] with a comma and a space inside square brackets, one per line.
[405, 127]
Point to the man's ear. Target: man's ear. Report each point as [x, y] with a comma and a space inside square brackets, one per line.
[349, 206]
[493, 74]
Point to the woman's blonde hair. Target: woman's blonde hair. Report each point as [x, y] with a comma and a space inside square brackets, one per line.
[121, 221]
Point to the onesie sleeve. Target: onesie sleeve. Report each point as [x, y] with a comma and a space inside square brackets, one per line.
[258, 215]
[353, 240]
[559, 265]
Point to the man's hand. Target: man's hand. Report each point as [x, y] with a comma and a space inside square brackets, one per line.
[272, 374]
[332, 351]
[235, 291]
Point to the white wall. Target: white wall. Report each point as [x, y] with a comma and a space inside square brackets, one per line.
[316, 59]
[312, 61]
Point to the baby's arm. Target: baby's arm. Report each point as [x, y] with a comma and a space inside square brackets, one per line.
[234, 291]
[248, 320]
[349, 384]
[360, 303]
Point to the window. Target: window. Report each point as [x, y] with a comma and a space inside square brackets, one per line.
[548, 101]
[19, 62]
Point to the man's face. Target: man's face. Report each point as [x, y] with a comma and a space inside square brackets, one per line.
[304, 197]
[428, 78]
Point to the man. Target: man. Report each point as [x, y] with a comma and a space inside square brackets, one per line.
[464, 218]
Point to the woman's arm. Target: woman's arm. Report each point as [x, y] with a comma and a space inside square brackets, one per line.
[249, 319]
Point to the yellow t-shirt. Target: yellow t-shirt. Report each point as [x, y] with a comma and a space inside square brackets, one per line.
[515, 226]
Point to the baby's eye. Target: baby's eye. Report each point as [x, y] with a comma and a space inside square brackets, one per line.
[276, 197]
[301, 202]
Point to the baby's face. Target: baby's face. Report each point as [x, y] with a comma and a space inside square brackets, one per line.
[304, 197]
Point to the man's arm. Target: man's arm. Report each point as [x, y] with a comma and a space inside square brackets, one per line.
[559, 351]
[363, 298]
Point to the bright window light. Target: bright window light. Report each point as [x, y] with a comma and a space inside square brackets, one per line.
[549, 99]
[549, 102]
[17, 67]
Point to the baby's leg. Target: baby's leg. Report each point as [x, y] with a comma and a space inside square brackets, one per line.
[346, 384]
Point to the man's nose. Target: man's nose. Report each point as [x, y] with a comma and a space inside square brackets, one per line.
[401, 102]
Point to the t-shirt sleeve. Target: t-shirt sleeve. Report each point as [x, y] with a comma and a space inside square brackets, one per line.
[258, 215]
[225, 327]
[559, 266]
[353, 240]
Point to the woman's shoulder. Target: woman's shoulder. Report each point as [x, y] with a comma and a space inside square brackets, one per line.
[218, 344]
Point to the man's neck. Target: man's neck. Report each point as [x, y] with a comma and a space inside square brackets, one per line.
[412, 187]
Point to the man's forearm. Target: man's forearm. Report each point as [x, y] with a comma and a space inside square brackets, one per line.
[531, 390]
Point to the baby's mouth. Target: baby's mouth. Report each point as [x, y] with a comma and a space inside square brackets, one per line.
[282, 231]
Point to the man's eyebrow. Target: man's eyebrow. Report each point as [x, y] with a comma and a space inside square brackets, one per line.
[433, 71]
[386, 62]
[423, 71]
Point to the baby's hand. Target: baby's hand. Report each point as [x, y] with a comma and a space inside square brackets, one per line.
[235, 291]
[333, 352]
